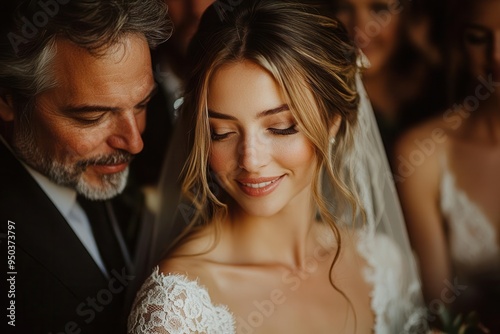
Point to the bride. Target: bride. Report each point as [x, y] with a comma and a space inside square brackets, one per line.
[266, 236]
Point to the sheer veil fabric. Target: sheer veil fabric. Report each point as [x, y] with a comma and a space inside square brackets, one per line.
[384, 221]
[383, 241]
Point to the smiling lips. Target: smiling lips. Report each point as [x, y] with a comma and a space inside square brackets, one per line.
[260, 186]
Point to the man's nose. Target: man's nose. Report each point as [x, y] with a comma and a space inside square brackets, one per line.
[127, 132]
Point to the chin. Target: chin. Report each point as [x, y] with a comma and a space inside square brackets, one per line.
[105, 187]
[261, 210]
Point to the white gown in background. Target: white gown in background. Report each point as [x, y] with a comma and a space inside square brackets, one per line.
[473, 241]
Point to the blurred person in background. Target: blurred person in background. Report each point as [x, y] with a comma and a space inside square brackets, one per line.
[170, 68]
[449, 169]
[404, 68]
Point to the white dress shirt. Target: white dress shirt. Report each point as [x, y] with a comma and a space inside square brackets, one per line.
[64, 199]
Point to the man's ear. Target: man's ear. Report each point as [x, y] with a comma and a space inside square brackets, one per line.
[335, 125]
[7, 110]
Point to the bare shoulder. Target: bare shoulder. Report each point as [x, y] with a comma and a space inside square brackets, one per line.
[430, 137]
[191, 261]
[419, 151]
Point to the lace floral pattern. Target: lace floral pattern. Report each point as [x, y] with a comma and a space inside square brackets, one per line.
[175, 305]
[394, 296]
[473, 238]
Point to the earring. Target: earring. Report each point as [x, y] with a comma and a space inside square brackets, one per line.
[332, 141]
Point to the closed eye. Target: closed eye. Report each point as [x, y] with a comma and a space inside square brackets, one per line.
[90, 120]
[284, 132]
[219, 136]
[380, 7]
[476, 35]
[476, 39]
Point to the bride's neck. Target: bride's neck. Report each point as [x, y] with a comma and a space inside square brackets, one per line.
[288, 238]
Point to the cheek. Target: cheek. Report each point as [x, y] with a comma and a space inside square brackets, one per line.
[66, 142]
[476, 57]
[223, 159]
[296, 154]
[382, 46]
[75, 144]
[388, 36]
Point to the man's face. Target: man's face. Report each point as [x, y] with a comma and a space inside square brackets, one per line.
[84, 132]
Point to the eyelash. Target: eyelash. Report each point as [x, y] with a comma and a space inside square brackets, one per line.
[379, 7]
[279, 132]
[284, 132]
[217, 137]
[140, 109]
[475, 39]
[89, 121]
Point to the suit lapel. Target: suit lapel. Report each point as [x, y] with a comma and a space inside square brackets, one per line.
[42, 232]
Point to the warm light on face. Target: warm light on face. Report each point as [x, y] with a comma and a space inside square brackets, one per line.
[258, 153]
[84, 132]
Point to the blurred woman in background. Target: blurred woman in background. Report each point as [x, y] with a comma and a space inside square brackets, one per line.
[404, 65]
[451, 188]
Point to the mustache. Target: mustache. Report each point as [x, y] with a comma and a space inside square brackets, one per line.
[109, 159]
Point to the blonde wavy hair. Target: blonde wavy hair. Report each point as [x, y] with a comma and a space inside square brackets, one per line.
[311, 58]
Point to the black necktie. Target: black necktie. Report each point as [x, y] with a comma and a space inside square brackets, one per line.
[105, 238]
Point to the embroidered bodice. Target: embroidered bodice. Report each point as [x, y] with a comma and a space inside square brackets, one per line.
[472, 237]
[174, 304]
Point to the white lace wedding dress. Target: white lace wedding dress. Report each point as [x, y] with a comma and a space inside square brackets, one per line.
[472, 237]
[174, 304]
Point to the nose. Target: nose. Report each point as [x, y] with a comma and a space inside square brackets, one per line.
[127, 132]
[253, 154]
[361, 18]
[360, 27]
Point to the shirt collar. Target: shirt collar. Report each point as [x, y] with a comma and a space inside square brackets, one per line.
[64, 198]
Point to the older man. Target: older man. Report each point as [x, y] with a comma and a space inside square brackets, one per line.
[75, 81]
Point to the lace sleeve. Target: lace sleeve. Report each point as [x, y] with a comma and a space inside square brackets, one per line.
[175, 305]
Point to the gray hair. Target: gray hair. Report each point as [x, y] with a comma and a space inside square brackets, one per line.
[28, 45]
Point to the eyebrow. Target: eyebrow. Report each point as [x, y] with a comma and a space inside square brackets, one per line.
[274, 111]
[476, 27]
[93, 108]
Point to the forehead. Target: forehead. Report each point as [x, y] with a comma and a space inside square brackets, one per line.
[243, 86]
[123, 69]
[365, 2]
[485, 13]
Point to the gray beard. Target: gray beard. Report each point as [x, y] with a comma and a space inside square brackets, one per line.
[71, 175]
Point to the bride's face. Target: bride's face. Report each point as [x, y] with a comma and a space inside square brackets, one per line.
[258, 153]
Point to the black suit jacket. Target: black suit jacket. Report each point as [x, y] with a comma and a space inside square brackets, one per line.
[55, 285]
